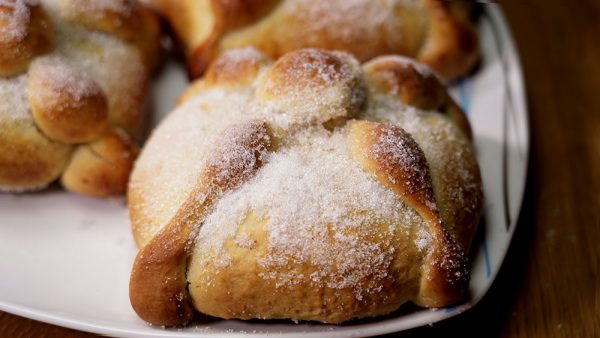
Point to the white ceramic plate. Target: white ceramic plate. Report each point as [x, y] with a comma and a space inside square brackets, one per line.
[65, 259]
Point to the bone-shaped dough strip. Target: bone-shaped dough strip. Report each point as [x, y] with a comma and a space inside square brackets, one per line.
[158, 285]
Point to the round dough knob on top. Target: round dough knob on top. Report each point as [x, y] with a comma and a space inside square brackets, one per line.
[311, 188]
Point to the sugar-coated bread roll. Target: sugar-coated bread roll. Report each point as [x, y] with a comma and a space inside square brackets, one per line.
[101, 167]
[437, 33]
[126, 19]
[72, 72]
[309, 188]
[67, 105]
[25, 32]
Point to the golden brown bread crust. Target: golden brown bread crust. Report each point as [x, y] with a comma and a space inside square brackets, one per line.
[71, 74]
[101, 168]
[228, 71]
[231, 71]
[437, 33]
[299, 83]
[234, 14]
[250, 295]
[127, 19]
[22, 40]
[28, 158]
[158, 286]
[68, 107]
[415, 86]
[445, 276]
[198, 252]
[195, 28]
[452, 46]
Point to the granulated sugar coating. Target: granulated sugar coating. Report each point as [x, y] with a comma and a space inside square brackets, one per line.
[306, 193]
[13, 99]
[334, 219]
[65, 80]
[183, 139]
[114, 65]
[73, 78]
[14, 18]
[355, 22]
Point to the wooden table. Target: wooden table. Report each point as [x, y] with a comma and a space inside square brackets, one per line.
[549, 284]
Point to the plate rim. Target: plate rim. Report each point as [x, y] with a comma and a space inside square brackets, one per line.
[496, 16]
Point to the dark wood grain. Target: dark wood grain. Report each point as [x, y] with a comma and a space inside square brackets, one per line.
[17, 327]
[549, 283]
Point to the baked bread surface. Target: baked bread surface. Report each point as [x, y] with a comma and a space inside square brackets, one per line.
[73, 75]
[310, 188]
[437, 33]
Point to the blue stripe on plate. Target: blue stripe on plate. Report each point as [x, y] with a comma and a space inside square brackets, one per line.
[464, 96]
[508, 112]
[486, 256]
